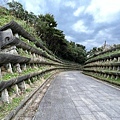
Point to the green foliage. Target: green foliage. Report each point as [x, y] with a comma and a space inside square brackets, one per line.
[28, 90]
[6, 108]
[44, 27]
[9, 76]
[106, 54]
[109, 79]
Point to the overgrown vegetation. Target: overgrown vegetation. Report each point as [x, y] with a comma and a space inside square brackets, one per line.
[95, 51]
[44, 27]
[9, 76]
[104, 65]
[110, 80]
[6, 108]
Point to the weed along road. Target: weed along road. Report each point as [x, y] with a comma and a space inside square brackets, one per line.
[74, 96]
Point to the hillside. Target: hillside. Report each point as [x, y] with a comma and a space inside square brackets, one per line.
[32, 50]
[44, 28]
[25, 63]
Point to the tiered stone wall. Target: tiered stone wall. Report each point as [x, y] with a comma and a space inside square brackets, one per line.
[24, 60]
[105, 65]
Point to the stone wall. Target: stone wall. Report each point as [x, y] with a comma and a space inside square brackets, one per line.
[105, 65]
[24, 60]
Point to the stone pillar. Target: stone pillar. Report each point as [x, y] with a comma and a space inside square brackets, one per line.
[22, 86]
[9, 68]
[109, 68]
[107, 60]
[13, 50]
[18, 68]
[29, 65]
[23, 67]
[5, 96]
[29, 82]
[118, 68]
[36, 65]
[116, 77]
[108, 76]
[115, 60]
[16, 35]
[113, 67]
[28, 41]
[105, 75]
[30, 53]
[0, 74]
[110, 60]
[15, 87]
[104, 67]
[39, 57]
[34, 56]
[26, 51]
[112, 76]
[118, 59]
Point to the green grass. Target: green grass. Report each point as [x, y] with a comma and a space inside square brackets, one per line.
[9, 76]
[6, 18]
[104, 55]
[6, 108]
[113, 81]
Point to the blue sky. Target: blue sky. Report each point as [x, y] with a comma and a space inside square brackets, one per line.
[87, 22]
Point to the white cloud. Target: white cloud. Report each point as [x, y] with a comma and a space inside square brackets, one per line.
[99, 39]
[104, 35]
[69, 38]
[101, 10]
[80, 27]
[36, 6]
[79, 11]
[104, 10]
[90, 43]
[70, 4]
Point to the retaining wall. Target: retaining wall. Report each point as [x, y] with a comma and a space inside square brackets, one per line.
[105, 65]
[23, 60]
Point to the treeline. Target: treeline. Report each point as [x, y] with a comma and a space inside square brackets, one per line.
[46, 28]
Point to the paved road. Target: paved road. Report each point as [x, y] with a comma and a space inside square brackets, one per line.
[74, 96]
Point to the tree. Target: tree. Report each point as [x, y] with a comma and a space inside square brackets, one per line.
[17, 9]
[54, 39]
[45, 27]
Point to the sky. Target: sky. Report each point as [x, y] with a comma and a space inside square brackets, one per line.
[86, 22]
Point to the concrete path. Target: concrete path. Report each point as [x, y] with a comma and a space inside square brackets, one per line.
[74, 96]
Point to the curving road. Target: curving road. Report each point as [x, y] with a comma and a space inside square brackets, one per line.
[74, 96]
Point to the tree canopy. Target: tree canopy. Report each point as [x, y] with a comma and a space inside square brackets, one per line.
[46, 28]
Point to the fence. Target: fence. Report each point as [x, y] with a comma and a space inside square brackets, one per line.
[105, 65]
[23, 60]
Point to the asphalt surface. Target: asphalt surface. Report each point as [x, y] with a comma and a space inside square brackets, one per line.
[74, 96]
